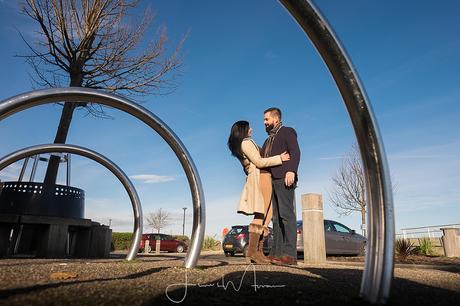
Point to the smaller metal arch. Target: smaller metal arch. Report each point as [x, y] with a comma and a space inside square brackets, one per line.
[122, 177]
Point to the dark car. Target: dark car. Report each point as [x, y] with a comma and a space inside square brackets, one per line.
[237, 241]
[340, 240]
[167, 243]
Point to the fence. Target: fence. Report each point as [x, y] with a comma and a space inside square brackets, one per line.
[433, 231]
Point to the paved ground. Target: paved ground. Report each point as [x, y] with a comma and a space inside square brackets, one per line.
[161, 280]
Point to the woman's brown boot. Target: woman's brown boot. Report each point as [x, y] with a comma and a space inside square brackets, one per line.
[260, 247]
[253, 256]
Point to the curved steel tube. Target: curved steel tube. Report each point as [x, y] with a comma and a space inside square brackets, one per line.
[77, 95]
[378, 270]
[52, 148]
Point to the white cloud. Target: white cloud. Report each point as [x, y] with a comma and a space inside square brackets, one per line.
[152, 178]
[331, 157]
[109, 210]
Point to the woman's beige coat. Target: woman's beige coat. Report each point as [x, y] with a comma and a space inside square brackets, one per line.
[251, 200]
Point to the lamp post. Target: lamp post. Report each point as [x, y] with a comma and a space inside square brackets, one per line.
[183, 222]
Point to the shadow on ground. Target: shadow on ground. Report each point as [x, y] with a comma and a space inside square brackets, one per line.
[219, 283]
[323, 287]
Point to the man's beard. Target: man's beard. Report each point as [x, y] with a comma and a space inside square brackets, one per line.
[269, 127]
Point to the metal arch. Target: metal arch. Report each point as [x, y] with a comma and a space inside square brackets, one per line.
[378, 270]
[122, 177]
[78, 95]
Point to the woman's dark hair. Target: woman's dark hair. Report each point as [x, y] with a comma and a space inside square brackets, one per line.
[238, 132]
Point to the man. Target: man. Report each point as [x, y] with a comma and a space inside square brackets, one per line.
[284, 180]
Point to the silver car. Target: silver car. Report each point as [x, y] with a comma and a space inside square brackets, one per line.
[340, 240]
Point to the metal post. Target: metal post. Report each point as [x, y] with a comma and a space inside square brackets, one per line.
[122, 177]
[183, 222]
[34, 168]
[68, 169]
[23, 169]
[18, 239]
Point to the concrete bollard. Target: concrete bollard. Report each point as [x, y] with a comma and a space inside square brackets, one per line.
[146, 246]
[451, 241]
[157, 246]
[314, 245]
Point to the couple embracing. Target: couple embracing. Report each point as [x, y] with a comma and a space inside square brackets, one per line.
[269, 190]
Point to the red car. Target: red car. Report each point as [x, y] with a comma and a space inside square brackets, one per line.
[167, 243]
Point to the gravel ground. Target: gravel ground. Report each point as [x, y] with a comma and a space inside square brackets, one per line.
[160, 280]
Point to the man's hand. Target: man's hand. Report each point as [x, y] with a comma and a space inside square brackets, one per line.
[289, 179]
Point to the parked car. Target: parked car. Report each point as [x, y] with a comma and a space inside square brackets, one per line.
[340, 240]
[237, 241]
[167, 243]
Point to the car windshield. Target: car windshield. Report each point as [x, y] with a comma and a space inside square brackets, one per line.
[235, 231]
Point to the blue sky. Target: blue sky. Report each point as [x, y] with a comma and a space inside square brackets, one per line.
[242, 57]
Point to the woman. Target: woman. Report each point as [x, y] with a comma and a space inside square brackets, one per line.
[256, 196]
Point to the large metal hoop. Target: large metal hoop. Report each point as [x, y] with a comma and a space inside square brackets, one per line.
[77, 95]
[378, 269]
[122, 177]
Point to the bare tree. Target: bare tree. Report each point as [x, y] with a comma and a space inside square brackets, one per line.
[158, 220]
[90, 43]
[348, 194]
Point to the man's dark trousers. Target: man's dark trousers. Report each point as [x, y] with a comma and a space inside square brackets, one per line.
[284, 220]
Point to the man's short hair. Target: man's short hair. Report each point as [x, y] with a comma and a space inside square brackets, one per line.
[274, 112]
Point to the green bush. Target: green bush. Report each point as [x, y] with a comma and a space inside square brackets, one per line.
[121, 241]
[403, 248]
[210, 244]
[426, 247]
[417, 251]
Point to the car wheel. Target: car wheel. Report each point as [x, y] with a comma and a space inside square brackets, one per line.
[232, 254]
[180, 249]
[227, 254]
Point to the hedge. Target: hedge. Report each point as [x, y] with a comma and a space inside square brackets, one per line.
[121, 241]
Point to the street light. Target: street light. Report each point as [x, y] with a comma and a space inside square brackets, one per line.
[183, 222]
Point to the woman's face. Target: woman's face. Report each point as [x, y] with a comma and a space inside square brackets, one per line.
[250, 132]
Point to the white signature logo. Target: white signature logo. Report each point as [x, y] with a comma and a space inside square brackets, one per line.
[220, 284]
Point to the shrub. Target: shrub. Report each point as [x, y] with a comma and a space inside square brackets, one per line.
[417, 251]
[210, 244]
[121, 241]
[426, 247]
[404, 248]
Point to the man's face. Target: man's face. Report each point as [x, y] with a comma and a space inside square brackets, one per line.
[270, 121]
